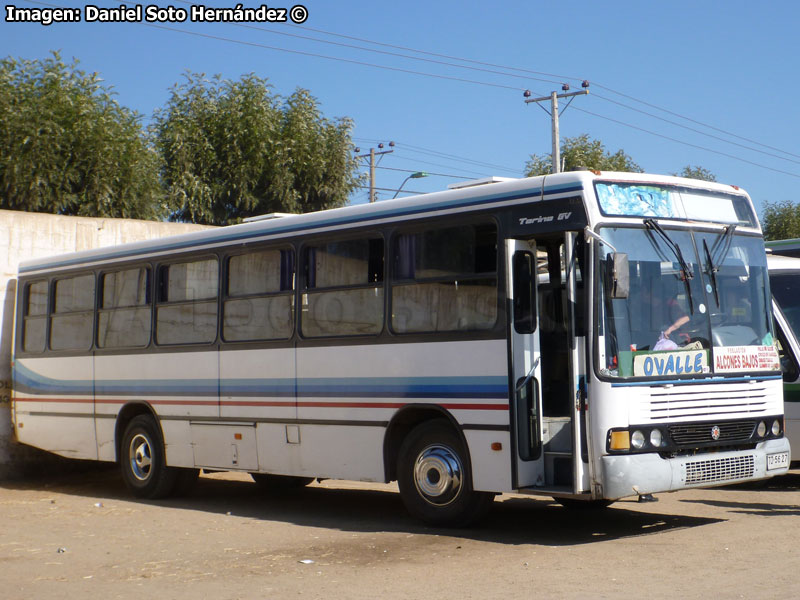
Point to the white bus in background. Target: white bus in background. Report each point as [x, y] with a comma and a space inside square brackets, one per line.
[586, 336]
[784, 276]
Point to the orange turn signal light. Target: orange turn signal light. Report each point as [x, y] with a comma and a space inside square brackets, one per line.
[620, 440]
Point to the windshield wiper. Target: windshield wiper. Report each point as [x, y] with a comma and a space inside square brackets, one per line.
[723, 244]
[686, 271]
[720, 249]
[712, 271]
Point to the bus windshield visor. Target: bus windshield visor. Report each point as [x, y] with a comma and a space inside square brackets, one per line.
[643, 200]
[697, 304]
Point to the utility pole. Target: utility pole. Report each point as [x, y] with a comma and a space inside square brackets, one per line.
[553, 97]
[372, 154]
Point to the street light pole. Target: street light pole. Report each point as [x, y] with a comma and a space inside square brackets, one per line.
[416, 175]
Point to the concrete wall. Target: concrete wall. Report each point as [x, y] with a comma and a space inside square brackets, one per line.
[25, 235]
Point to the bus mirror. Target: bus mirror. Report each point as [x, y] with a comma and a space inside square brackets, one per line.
[620, 275]
[524, 292]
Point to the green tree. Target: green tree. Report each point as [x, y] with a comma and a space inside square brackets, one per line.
[67, 147]
[582, 152]
[232, 149]
[696, 172]
[781, 220]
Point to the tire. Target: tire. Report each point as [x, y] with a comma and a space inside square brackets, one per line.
[435, 478]
[143, 460]
[280, 482]
[575, 504]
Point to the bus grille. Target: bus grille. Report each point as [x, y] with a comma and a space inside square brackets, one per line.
[692, 402]
[719, 469]
[700, 433]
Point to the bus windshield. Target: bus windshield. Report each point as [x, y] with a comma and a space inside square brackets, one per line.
[697, 304]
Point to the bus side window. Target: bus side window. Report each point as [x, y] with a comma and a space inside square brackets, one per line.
[343, 288]
[35, 317]
[187, 302]
[260, 296]
[445, 279]
[72, 320]
[124, 316]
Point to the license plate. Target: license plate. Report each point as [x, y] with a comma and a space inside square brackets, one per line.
[777, 461]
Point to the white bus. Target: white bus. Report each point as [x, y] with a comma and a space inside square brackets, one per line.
[784, 276]
[586, 336]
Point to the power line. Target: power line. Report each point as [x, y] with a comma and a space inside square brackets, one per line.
[388, 189]
[325, 56]
[421, 150]
[426, 162]
[565, 77]
[440, 154]
[557, 78]
[560, 79]
[695, 121]
[484, 83]
[700, 132]
[387, 53]
[552, 81]
[426, 172]
[666, 137]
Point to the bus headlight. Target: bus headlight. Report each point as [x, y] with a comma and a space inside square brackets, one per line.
[656, 438]
[776, 427]
[762, 429]
[638, 438]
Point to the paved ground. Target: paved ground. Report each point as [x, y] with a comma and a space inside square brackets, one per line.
[82, 537]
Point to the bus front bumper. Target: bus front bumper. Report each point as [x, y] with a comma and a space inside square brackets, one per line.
[634, 474]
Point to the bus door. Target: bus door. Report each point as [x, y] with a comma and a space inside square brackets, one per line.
[525, 367]
[563, 339]
[556, 371]
[575, 315]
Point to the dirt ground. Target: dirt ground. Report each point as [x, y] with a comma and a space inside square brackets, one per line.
[82, 537]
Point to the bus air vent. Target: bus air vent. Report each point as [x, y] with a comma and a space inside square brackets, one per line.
[719, 470]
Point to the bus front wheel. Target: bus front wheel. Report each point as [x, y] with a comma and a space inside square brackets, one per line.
[143, 461]
[434, 477]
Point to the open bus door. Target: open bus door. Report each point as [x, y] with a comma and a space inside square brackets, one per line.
[547, 370]
[525, 367]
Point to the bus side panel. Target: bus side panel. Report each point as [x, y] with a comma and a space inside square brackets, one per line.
[336, 452]
[258, 384]
[178, 386]
[491, 470]
[355, 391]
[54, 405]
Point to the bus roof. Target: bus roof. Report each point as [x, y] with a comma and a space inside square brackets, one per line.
[785, 247]
[777, 262]
[471, 198]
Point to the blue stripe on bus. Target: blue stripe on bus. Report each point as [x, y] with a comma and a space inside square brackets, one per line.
[405, 387]
[225, 236]
[357, 387]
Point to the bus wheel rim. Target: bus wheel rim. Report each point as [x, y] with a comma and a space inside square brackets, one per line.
[438, 475]
[141, 457]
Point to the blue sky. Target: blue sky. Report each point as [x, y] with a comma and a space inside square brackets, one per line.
[724, 72]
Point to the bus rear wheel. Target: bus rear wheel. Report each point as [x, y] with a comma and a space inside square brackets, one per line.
[435, 480]
[143, 460]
